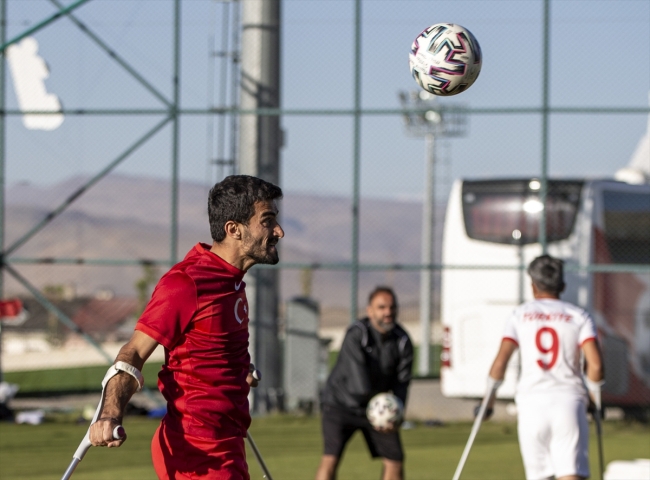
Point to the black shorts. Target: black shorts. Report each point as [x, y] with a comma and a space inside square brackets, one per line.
[339, 425]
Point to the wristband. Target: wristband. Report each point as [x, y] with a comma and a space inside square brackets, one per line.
[594, 389]
[124, 367]
[593, 386]
[492, 385]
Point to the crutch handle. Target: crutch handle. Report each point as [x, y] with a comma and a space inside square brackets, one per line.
[119, 433]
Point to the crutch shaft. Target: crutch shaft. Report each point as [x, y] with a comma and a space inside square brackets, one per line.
[472, 435]
[84, 446]
[258, 455]
[70, 470]
[599, 437]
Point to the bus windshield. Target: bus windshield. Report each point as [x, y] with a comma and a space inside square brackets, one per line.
[508, 211]
[627, 226]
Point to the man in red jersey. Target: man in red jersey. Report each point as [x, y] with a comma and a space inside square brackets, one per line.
[199, 313]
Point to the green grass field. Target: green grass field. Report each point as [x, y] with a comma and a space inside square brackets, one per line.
[291, 447]
[79, 379]
[88, 379]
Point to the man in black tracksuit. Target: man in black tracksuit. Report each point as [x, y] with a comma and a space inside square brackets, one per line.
[376, 356]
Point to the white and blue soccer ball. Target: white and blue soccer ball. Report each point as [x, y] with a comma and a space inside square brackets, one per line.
[384, 409]
[445, 59]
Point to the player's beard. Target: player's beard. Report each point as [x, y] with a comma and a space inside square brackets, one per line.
[261, 251]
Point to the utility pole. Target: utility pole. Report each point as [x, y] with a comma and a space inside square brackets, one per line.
[424, 117]
[3, 39]
[260, 140]
[223, 138]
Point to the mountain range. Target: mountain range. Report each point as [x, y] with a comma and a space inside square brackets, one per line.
[128, 218]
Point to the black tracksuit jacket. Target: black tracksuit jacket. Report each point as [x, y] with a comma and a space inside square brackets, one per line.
[369, 363]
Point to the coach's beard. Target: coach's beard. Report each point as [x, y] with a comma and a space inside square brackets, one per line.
[387, 326]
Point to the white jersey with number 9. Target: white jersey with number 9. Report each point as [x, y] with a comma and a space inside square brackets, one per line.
[549, 334]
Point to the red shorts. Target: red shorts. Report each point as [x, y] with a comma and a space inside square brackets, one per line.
[177, 456]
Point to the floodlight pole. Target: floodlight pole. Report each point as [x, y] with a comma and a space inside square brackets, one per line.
[425, 117]
[260, 143]
[426, 274]
[3, 39]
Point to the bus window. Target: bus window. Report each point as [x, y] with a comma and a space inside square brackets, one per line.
[508, 211]
[627, 226]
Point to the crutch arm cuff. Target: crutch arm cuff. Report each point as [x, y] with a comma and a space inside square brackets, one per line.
[124, 367]
[592, 385]
[492, 385]
[594, 389]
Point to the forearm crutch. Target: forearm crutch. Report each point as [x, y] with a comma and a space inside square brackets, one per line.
[491, 391]
[258, 455]
[595, 390]
[118, 432]
[599, 434]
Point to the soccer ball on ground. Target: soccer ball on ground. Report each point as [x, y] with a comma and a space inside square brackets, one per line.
[445, 59]
[384, 409]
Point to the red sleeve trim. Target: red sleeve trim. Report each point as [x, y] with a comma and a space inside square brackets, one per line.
[590, 339]
[510, 339]
[147, 330]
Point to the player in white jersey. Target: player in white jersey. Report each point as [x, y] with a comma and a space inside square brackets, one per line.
[551, 395]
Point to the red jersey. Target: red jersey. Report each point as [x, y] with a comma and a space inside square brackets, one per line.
[199, 313]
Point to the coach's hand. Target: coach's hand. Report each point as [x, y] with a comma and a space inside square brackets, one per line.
[390, 428]
[254, 376]
[102, 432]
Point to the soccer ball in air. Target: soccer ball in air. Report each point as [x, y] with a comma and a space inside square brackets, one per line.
[445, 59]
[383, 409]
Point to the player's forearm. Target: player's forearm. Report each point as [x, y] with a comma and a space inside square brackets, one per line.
[594, 382]
[594, 361]
[595, 371]
[119, 391]
[498, 370]
[497, 373]
[122, 386]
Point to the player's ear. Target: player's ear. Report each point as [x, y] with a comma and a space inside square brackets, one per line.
[233, 229]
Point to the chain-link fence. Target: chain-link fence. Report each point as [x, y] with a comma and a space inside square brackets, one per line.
[98, 207]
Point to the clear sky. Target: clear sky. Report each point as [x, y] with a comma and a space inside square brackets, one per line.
[600, 57]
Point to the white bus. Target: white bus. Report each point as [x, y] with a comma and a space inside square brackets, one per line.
[589, 222]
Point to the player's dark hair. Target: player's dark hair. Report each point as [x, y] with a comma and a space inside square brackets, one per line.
[382, 289]
[234, 199]
[547, 273]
